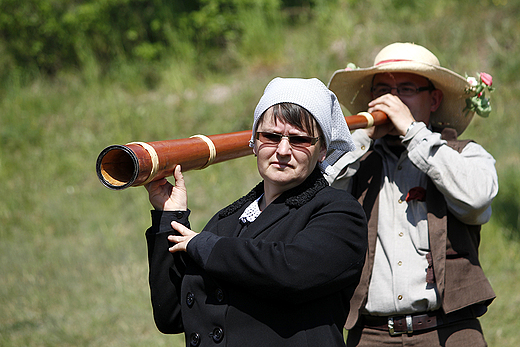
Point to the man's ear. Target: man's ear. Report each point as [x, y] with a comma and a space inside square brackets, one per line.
[436, 99]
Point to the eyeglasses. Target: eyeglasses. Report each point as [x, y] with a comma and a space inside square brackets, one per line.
[294, 140]
[402, 90]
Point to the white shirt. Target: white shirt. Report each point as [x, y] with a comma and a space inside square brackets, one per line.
[469, 183]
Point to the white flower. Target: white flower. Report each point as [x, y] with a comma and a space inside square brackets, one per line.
[472, 81]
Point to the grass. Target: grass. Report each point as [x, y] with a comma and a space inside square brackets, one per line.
[73, 255]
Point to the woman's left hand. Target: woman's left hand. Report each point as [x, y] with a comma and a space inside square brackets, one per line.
[181, 241]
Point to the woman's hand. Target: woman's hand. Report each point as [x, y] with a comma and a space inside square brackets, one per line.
[166, 197]
[181, 241]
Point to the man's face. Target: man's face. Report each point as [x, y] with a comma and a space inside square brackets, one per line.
[422, 104]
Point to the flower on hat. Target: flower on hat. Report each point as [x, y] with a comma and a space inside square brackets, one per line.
[472, 81]
[486, 78]
[351, 66]
[479, 103]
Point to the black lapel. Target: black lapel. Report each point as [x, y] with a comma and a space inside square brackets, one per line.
[272, 214]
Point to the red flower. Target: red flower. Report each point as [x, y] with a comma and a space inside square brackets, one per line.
[416, 193]
[486, 79]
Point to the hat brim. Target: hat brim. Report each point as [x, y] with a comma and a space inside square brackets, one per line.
[352, 87]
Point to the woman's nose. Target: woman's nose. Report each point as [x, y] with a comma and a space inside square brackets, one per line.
[284, 147]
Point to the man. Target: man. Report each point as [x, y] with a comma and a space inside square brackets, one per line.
[425, 195]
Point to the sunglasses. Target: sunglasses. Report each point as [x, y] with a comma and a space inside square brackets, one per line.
[268, 138]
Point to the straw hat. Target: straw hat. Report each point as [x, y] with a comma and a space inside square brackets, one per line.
[352, 86]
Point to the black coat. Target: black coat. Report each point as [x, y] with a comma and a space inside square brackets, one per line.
[285, 280]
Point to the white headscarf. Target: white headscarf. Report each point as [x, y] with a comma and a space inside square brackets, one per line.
[316, 98]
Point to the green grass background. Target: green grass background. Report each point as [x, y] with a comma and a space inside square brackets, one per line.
[73, 266]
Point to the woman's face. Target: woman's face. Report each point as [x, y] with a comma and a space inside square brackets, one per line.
[284, 166]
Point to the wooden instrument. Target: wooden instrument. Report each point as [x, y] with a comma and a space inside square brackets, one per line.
[137, 163]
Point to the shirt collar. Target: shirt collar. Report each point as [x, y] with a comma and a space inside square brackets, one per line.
[252, 212]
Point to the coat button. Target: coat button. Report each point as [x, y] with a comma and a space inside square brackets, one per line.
[217, 335]
[190, 299]
[194, 339]
[178, 214]
[219, 293]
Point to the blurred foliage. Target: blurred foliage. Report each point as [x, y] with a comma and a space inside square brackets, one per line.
[49, 35]
[507, 208]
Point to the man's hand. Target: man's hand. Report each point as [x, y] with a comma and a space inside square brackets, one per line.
[398, 113]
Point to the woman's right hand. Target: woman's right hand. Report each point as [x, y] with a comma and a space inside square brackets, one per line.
[166, 197]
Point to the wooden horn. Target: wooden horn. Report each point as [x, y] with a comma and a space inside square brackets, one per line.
[134, 164]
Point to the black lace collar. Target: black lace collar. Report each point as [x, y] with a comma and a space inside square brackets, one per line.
[295, 197]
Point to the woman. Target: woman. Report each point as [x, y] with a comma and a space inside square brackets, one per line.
[278, 266]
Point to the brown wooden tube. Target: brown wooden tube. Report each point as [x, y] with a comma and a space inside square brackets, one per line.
[134, 164]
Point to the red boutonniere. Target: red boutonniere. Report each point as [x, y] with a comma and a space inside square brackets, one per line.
[416, 193]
